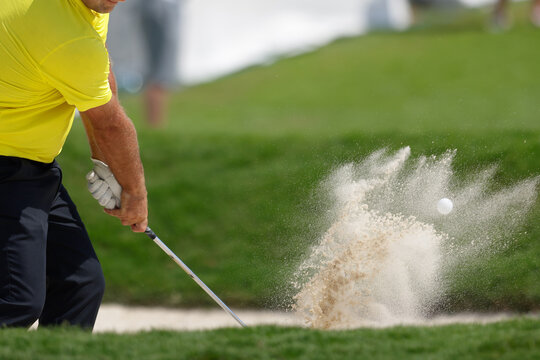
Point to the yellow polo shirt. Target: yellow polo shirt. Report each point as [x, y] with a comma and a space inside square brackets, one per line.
[53, 59]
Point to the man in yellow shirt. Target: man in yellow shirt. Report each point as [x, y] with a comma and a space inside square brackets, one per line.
[53, 60]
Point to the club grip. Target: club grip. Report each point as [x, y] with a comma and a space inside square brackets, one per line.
[152, 235]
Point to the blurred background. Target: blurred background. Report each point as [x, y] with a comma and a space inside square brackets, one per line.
[213, 39]
[243, 108]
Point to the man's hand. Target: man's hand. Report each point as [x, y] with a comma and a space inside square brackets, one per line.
[107, 191]
[103, 185]
[134, 212]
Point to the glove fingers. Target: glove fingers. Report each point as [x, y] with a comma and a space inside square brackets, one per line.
[103, 185]
[100, 190]
[95, 186]
[111, 204]
[115, 187]
[91, 177]
[104, 173]
[105, 198]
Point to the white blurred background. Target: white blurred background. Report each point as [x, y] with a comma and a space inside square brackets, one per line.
[217, 37]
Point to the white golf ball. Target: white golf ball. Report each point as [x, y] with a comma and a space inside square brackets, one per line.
[445, 206]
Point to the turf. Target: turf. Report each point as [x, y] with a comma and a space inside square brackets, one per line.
[233, 179]
[516, 339]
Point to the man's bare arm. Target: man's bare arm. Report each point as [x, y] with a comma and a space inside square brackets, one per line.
[113, 140]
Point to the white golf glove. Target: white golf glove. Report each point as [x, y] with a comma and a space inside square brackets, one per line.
[103, 185]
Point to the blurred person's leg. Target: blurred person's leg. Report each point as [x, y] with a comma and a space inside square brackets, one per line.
[417, 8]
[500, 18]
[160, 23]
[535, 13]
[156, 99]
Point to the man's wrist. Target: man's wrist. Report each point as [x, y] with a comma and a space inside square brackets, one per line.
[137, 193]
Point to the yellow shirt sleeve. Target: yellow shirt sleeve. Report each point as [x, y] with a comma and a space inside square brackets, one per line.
[79, 70]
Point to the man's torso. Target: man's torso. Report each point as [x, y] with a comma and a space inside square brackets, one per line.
[52, 58]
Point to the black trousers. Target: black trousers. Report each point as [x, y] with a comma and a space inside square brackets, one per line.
[48, 268]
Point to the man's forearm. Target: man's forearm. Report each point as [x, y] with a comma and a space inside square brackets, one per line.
[113, 139]
[94, 149]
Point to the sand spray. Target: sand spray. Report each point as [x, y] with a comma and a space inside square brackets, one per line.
[383, 259]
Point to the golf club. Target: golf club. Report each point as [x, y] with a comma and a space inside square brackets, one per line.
[177, 260]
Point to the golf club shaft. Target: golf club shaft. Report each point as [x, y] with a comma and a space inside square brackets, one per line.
[180, 263]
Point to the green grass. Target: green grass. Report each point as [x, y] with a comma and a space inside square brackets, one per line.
[232, 181]
[516, 339]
